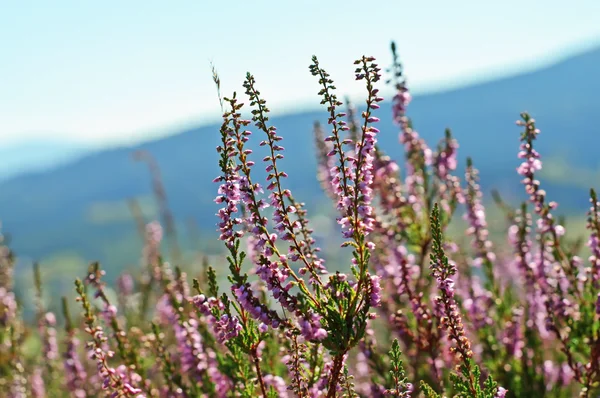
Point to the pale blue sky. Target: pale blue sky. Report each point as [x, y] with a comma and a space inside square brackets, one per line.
[117, 71]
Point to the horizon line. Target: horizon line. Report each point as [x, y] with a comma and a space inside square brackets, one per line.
[494, 74]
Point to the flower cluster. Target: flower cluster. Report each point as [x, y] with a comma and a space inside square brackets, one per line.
[469, 316]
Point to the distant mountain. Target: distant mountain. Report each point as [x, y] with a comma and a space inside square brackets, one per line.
[79, 207]
[20, 158]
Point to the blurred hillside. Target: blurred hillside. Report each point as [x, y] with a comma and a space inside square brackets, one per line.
[77, 211]
[25, 157]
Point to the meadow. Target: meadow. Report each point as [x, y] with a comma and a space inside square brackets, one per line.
[421, 299]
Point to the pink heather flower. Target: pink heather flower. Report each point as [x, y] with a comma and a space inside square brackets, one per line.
[120, 381]
[129, 379]
[251, 304]
[154, 232]
[125, 284]
[18, 386]
[278, 385]
[191, 353]
[8, 307]
[109, 313]
[311, 327]
[151, 251]
[594, 241]
[375, 291]
[75, 373]
[50, 345]
[360, 166]
[444, 163]
[164, 311]
[229, 195]
[400, 102]
[475, 215]
[513, 336]
[557, 375]
[38, 388]
[527, 169]
[478, 304]
[226, 327]
[386, 182]
[222, 383]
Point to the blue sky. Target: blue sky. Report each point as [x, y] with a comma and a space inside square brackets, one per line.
[119, 71]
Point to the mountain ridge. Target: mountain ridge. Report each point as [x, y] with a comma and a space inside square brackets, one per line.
[561, 96]
[22, 157]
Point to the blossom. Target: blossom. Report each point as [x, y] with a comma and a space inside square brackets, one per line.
[311, 327]
[75, 373]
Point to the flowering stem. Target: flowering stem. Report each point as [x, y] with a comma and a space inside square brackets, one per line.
[451, 320]
[332, 101]
[254, 202]
[363, 178]
[259, 116]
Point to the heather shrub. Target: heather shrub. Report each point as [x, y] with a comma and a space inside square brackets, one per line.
[412, 313]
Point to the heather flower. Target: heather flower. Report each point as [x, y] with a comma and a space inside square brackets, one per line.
[38, 389]
[8, 307]
[386, 185]
[478, 305]
[109, 314]
[229, 190]
[311, 327]
[353, 176]
[402, 97]
[418, 154]
[191, 354]
[478, 228]
[226, 326]
[120, 383]
[375, 292]
[50, 345]
[222, 383]
[512, 335]
[75, 373]
[251, 304]
[151, 251]
[443, 270]
[448, 311]
[527, 169]
[501, 393]
[594, 240]
[444, 163]
[6, 264]
[295, 360]
[278, 384]
[18, 387]
[125, 284]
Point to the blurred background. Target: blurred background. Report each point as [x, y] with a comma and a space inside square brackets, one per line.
[83, 86]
